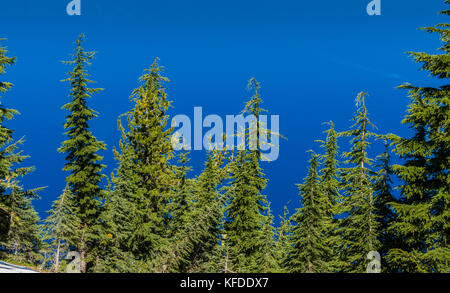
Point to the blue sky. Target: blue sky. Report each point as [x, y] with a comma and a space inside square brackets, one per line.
[312, 58]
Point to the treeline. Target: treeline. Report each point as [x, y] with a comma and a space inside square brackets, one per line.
[153, 217]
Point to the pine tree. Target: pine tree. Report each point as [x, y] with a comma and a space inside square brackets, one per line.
[247, 211]
[424, 213]
[330, 174]
[329, 182]
[195, 246]
[360, 229]
[22, 235]
[384, 197]
[150, 141]
[309, 252]
[283, 243]
[209, 202]
[120, 217]
[61, 226]
[243, 220]
[5, 137]
[81, 151]
[183, 195]
[268, 259]
[44, 258]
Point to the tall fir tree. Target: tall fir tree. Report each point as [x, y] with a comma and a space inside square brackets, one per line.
[243, 221]
[149, 138]
[5, 138]
[423, 214]
[15, 201]
[81, 152]
[310, 252]
[247, 211]
[384, 197]
[329, 182]
[360, 229]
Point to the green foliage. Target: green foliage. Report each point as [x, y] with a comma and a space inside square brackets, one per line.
[119, 217]
[248, 211]
[81, 151]
[423, 212]
[183, 195]
[309, 250]
[22, 232]
[143, 186]
[384, 197]
[283, 242]
[195, 245]
[155, 217]
[268, 257]
[332, 200]
[61, 226]
[360, 228]
[207, 215]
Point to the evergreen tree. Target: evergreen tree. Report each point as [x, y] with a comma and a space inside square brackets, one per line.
[183, 196]
[120, 217]
[268, 259]
[283, 243]
[247, 211]
[22, 235]
[360, 229]
[209, 202]
[150, 141]
[384, 197]
[243, 220]
[329, 182]
[81, 151]
[309, 252]
[5, 138]
[195, 246]
[423, 213]
[61, 226]
[329, 178]
[45, 256]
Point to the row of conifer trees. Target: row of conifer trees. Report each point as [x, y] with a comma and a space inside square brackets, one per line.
[153, 217]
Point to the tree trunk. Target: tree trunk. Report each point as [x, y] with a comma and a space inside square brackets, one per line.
[58, 248]
[82, 250]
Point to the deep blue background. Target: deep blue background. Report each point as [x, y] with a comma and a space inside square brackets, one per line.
[312, 58]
